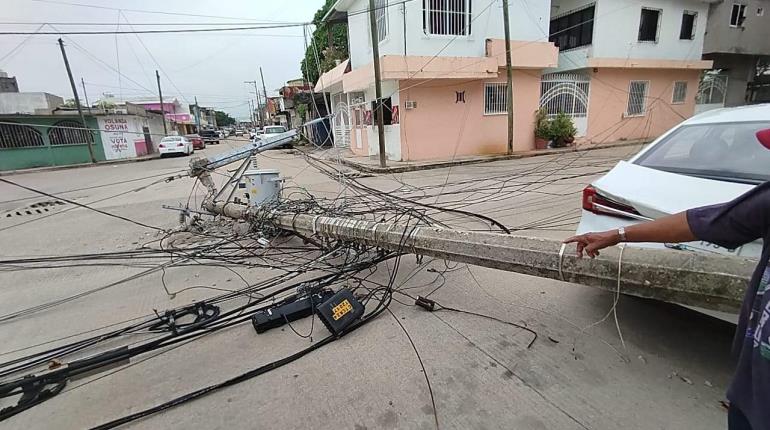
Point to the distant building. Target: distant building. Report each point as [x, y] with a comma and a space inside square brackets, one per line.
[8, 84]
[28, 103]
[295, 92]
[58, 138]
[737, 37]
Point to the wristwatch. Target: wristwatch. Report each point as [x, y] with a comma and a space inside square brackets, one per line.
[622, 234]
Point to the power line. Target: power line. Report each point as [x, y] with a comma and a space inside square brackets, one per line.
[139, 10]
[187, 30]
[80, 204]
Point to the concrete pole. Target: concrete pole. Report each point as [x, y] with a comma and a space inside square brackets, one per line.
[85, 95]
[377, 84]
[197, 115]
[704, 280]
[77, 100]
[509, 74]
[162, 110]
[264, 90]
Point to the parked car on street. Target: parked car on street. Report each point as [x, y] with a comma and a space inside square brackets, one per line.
[239, 132]
[273, 130]
[710, 158]
[221, 134]
[175, 145]
[197, 141]
[210, 136]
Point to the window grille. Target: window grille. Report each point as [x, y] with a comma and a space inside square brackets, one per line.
[680, 92]
[573, 29]
[450, 17]
[381, 17]
[495, 98]
[687, 31]
[69, 133]
[19, 136]
[737, 15]
[637, 95]
[649, 24]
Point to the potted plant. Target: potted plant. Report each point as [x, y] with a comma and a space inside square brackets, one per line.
[542, 129]
[563, 130]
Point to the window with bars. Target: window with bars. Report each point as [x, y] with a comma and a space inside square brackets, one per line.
[381, 17]
[69, 133]
[680, 92]
[446, 17]
[649, 25]
[573, 29]
[19, 136]
[495, 98]
[737, 15]
[687, 31]
[637, 98]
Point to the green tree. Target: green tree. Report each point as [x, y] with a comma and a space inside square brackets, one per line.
[223, 118]
[319, 45]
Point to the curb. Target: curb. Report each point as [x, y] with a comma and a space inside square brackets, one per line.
[77, 166]
[366, 168]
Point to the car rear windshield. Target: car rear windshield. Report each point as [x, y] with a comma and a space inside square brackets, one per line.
[275, 130]
[171, 139]
[208, 133]
[724, 151]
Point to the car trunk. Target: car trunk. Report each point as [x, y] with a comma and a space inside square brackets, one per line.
[656, 193]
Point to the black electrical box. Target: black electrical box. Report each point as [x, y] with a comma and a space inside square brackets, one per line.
[341, 310]
[290, 310]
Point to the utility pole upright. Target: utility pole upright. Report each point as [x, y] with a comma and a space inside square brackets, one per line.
[77, 101]
[85, 94]
[264, 90]
[509, 74]
[162, 109]
[377, 84]
[197, 115]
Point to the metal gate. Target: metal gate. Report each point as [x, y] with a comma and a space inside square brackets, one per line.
[341, 122]
[712, 90]
[566, 93]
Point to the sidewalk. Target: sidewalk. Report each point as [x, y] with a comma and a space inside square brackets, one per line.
[77, 166]
[371, 164]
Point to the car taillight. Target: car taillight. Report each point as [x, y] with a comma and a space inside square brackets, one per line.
[598, 204]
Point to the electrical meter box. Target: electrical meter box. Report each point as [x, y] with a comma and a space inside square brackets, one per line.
[262, 186]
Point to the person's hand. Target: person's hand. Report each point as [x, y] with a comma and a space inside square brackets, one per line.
[591, 243]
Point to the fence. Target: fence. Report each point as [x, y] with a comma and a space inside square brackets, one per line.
[712, 90]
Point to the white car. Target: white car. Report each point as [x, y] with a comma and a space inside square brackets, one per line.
[175, 145]
[710, 158]
[274, 130]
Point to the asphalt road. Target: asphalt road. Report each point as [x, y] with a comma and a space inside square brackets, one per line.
[672, 373]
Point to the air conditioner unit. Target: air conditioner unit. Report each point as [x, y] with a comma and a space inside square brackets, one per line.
[410, 104]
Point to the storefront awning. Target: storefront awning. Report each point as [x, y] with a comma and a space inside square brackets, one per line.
[332, 77]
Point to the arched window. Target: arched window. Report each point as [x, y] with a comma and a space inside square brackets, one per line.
[69, 132]
[19, 136]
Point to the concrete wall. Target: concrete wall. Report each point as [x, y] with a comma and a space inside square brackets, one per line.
[27, 103]
[753, 38]
[123, 135]
[8, 85]
[529, 22]
[440, 128]
[608, 101]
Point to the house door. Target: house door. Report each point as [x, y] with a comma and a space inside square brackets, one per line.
[712, 90]
[566, 93]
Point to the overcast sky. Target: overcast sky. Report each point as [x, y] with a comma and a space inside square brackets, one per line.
[211, 66]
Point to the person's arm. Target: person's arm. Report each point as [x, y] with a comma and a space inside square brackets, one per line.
[670, 229]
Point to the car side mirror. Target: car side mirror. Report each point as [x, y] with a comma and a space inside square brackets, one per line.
[763, 136]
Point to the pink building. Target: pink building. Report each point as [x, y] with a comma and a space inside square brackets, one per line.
[627, 72]
[443, 78]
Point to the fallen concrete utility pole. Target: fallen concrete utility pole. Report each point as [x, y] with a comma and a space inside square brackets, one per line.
[703, 280]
